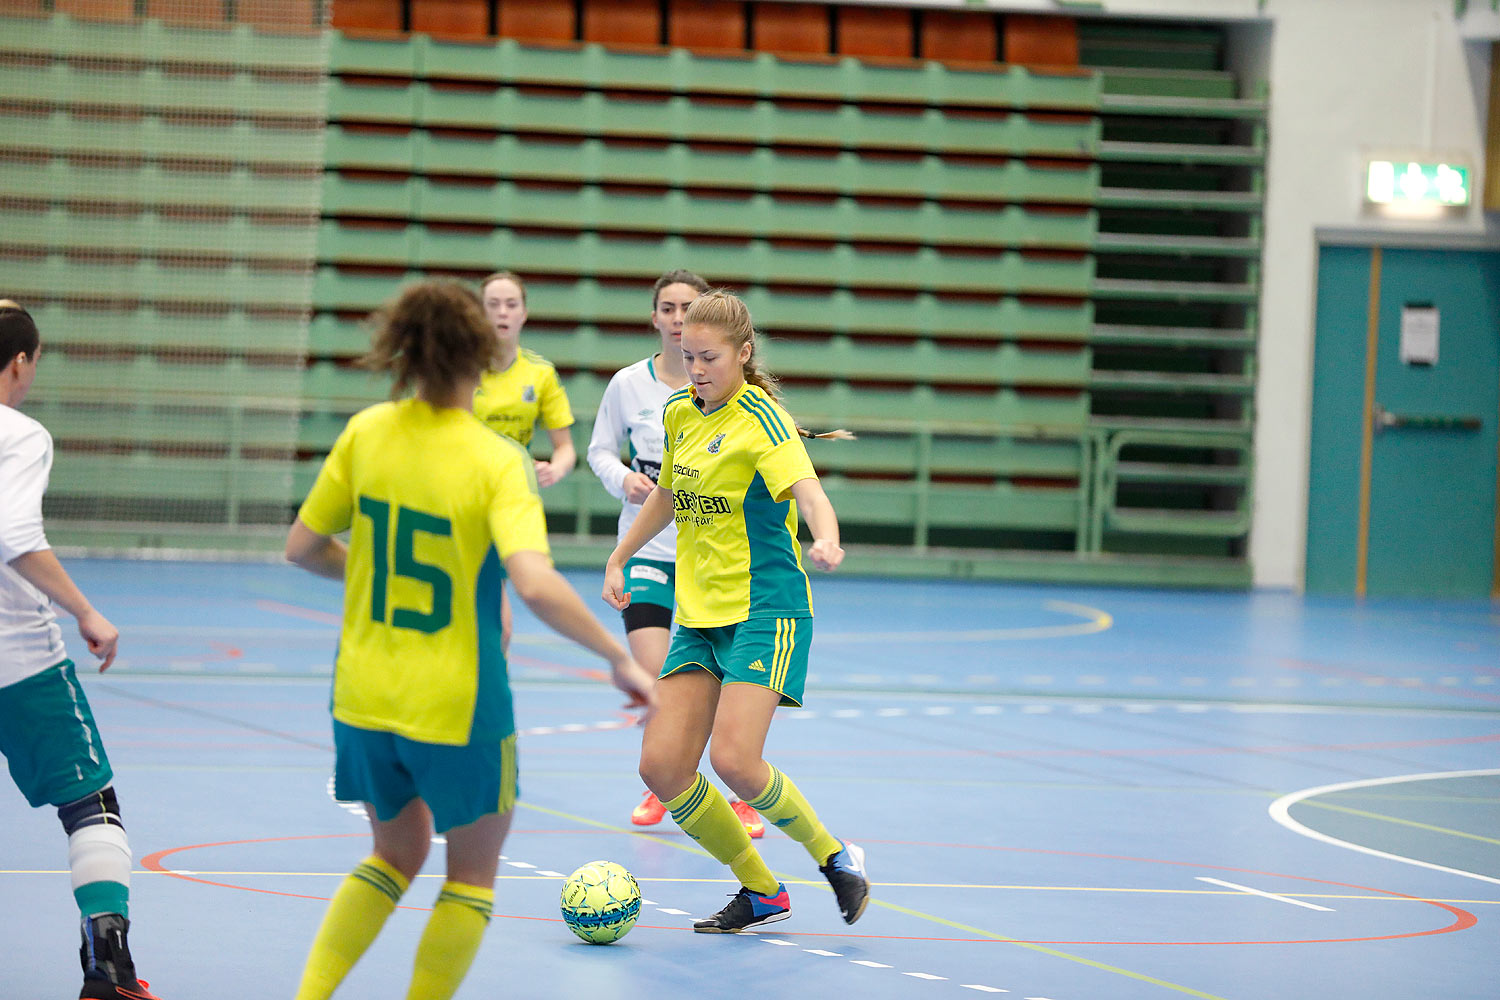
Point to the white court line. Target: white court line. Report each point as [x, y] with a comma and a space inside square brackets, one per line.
[1262, 893]
[1281, 812]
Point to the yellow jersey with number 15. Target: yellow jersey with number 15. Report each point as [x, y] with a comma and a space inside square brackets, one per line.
[731, 474]
[433, 503]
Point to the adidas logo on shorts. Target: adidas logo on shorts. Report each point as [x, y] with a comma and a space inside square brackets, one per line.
[757, 665]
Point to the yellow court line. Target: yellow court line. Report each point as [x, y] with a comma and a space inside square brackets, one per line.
[980, 932]
[1094, 621]
[1054, 952]
[1402, 822]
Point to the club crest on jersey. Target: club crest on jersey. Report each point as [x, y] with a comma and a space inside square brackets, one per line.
[713, 446]
[529, 394]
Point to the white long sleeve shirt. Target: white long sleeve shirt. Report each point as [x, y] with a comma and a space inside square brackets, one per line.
[630, 414]
[30, 638]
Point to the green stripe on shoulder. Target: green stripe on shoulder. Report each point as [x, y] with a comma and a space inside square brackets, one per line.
[770, 407]
[536, 358]
[774, 427]
[764, 425]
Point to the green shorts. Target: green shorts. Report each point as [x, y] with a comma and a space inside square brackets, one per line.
[49, 739]
[770, 652]
[459, 784]
[651, 581]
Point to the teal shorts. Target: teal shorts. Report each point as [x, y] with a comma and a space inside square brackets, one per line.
[770, 652]
[459, 784]
[651, 581]
[49, 738]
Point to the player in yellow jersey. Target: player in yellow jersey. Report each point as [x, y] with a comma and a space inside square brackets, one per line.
[439, 512]
[520, 388]
[629, 417]
[734, 474]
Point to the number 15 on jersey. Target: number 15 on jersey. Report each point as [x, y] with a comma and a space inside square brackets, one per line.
[409, 523]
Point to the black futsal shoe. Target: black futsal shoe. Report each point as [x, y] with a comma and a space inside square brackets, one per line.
[747, 909]
[845, 871]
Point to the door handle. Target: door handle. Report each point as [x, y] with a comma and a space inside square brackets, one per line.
[1384, 419]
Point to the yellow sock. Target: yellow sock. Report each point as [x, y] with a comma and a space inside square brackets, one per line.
[704, 814]
[359, 909]
[451, 940]
[782, 803]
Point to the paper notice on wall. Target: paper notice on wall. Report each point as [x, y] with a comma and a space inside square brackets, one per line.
[1419, 334]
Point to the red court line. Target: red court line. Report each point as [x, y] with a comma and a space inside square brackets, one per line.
[297, 611]
[1463, 919]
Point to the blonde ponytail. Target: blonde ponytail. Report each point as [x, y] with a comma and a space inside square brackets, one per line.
[727, 313]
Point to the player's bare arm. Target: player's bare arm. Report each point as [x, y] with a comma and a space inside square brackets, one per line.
[817, 511]
[320, 554]
[656, 513]
[564, 457]
[42, 570]
[558, 605]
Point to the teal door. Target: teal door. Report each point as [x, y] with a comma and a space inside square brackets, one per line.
[1417, 516]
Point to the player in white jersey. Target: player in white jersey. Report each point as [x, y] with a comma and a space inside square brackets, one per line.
[625, 453]
[47, 731]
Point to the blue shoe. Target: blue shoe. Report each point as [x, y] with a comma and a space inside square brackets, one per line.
[845, 871]
[746, 910]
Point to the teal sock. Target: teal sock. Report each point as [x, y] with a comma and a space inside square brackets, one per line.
[97, 898]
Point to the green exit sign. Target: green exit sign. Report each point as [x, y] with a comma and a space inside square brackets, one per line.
[1394, 182]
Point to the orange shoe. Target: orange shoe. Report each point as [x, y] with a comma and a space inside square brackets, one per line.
[649, 812]
[753, 825]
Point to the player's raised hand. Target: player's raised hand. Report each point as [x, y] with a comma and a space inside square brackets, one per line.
[615, 594]
[102, 637]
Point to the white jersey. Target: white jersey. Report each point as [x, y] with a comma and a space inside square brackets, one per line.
[30, 638]
[630, 414]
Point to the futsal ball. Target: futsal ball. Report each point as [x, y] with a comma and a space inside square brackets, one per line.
[600, 902]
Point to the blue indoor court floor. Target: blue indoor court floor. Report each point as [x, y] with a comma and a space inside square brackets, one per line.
[1065, 793]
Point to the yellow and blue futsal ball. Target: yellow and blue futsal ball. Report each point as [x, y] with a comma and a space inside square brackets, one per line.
[600, 902]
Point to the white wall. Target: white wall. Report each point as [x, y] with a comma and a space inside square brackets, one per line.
[1347, 77]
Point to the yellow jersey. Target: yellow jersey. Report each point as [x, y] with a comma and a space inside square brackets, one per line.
[510, 402]
[731, 474]
[434, 504]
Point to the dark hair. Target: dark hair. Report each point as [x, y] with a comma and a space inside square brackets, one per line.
[18, 334]
[677, 277]
[434, 334]
[727, 313]
[504, 276]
